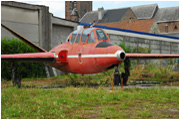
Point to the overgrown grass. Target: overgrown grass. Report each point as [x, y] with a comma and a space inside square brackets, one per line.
[86, 102]
[157, 72]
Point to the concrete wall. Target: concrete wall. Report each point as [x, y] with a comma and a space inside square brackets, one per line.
[23, 21]
[156, 46]
[35, 23]
[61, 28]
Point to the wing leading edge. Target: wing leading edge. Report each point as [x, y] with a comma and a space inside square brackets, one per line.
[29, 57]
[150, 56]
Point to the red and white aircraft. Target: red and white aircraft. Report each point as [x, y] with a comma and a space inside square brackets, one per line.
[86, 51]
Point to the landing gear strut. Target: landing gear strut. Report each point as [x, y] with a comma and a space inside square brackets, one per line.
[124, 76]
[117, 76]
[127, 71]
[16, 79]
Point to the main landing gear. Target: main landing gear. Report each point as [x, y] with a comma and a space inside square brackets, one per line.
[16, 78]
[124, 76]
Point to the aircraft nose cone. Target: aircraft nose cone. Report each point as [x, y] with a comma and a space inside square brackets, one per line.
[120, 55]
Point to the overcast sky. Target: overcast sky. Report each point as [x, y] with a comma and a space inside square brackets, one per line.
[57, 8]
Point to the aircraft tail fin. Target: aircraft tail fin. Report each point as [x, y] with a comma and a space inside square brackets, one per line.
[31, 44]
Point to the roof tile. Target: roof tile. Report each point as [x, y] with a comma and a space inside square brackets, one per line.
[139, 25]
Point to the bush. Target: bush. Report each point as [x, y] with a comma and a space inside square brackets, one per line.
[130, 49]
[26, 70]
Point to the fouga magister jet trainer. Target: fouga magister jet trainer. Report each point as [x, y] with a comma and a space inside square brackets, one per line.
[86, 51]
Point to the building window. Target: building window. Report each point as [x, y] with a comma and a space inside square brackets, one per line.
[71, 5]
[175, 27]
[166, 28]
[75, 4]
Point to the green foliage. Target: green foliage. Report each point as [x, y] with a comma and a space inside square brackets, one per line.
[130, 49]
[26, 70]
[126, 48]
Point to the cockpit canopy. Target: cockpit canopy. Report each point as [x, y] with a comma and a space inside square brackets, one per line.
[89, 35]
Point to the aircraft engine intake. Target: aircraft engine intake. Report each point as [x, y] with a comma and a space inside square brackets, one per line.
[121, 55]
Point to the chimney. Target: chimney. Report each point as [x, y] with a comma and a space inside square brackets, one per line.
[100, 13]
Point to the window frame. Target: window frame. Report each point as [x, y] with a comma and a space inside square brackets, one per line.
[68, 39]
[104, 34]
[80, 31]
[91, 29]
[76, 32]
[89, 37]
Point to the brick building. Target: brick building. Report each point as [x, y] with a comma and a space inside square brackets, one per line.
[168, 21]
[74, 10]
[143, 25]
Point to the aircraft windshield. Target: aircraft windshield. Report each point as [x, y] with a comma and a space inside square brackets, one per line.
[101, 35]
[85, 33]
[73, 37]
[91, 38]
[78, 37]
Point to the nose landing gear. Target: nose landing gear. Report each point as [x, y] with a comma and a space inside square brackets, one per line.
[122, 78]
[117, 76]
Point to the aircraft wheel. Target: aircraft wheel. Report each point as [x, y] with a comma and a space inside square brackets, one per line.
[117, 76]
[117, 79]
[17, 81]
[125, 78]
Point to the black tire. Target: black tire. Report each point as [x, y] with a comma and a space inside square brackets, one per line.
[125, 78]
[17, 81]
[117, 79]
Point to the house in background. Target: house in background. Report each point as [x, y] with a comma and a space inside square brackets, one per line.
[145, 12]
[168, 21]
[109, 16]
[144, 18]
[149, 26]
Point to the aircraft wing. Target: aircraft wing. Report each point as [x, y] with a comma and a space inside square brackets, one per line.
[150, 56]
[29, 57]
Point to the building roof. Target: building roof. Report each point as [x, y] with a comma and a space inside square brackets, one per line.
[145, 11]
[139, 25]
[151, 11]
[112, 15]
[89, 17]
[167, 14]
